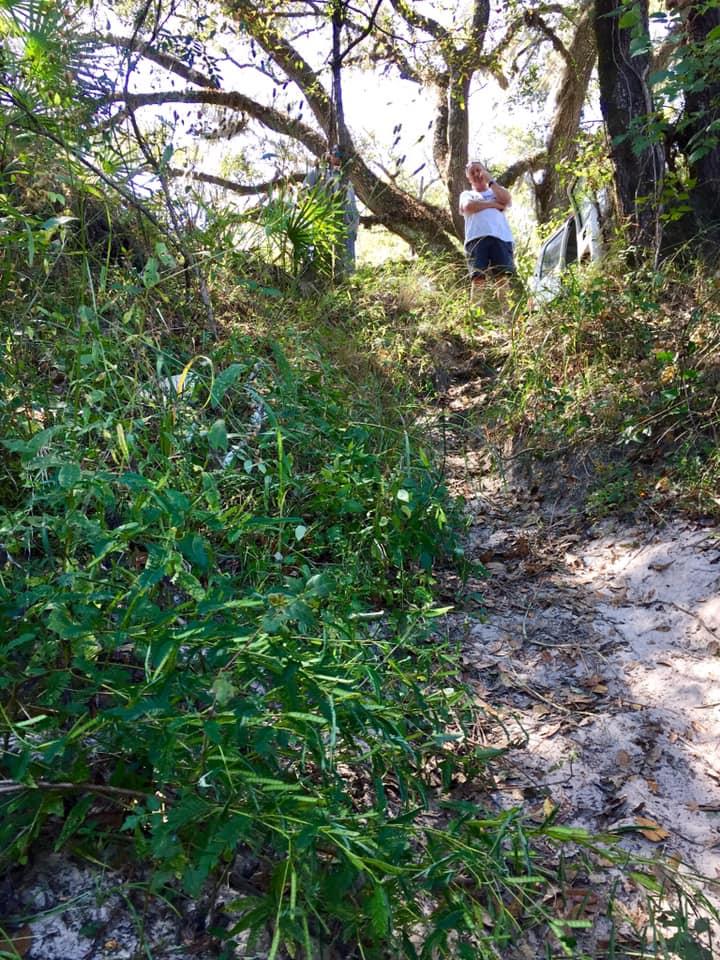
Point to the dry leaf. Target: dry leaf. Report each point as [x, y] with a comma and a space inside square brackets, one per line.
[651, 830]
[548, 807]
[623, 758]
[652, 784]
[19, 943]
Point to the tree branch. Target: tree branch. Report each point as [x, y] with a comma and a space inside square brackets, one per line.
[11, 786]
[420, 21]
[363, 33]
[286, 56]
[165, 60]
[232, 100]
[533, 19]
[527, 165]
[242, 189]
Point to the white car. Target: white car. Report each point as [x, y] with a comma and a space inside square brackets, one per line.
[579, 240]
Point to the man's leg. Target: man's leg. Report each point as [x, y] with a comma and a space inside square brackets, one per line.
[502, 269]
[477, 252]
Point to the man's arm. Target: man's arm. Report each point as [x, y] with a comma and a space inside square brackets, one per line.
[501, 194]
[477, 206]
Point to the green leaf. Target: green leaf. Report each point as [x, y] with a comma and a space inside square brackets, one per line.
[224, 380]
[223, 690]
[194, 549]
[403, 495]
[300, 531]
[648, 881]
[379, 911]
[69, 475]
[640, 45]
[630, 18]
[217, 435]
[150, 275]
[686, 947]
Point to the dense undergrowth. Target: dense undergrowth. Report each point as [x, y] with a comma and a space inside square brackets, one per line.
[619, 374]
[216, 600]
[215, 596]
[616, 376]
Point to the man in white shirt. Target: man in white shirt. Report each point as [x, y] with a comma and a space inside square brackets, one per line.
[488, 238]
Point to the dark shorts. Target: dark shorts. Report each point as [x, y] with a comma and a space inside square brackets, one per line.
[489, 255]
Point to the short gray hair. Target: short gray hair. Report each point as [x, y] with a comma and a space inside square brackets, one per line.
[474, 163]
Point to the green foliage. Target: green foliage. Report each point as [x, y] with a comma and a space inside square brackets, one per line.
[627, 366]
[215, 592]
[216, 595]
[304, 228]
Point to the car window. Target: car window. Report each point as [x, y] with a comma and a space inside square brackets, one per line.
[551, 254]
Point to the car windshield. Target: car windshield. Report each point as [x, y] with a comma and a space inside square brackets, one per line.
[551, 254]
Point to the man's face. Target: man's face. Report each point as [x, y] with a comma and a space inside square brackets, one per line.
[478, 177]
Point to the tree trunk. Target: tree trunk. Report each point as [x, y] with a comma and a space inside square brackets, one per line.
[458, 138]
[702, 108]
[418, 223]
[561, 145]
[625, 101]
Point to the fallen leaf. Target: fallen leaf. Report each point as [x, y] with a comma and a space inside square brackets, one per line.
[651, 830]
[548, 807]
[623, 758]
[19, 943]
[550, 731]
[652, 784]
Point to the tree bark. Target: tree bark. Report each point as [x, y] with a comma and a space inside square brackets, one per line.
[702, 108]
[625, 101]
[561, 144]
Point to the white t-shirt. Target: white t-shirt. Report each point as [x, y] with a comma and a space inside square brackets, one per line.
[487, 223]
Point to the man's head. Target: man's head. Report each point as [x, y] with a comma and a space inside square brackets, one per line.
[477, 174]
[335, 157]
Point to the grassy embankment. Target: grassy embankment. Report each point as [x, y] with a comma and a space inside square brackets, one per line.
[216, 593]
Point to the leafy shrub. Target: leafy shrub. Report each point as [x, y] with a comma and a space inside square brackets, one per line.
[194, 665]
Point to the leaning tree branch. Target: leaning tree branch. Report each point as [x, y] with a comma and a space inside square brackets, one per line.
[233, 100]
[242, 189]
[527, 165]
[533, 19]
[165, 60]
[363, 33]
[286, 56]
[420, 21]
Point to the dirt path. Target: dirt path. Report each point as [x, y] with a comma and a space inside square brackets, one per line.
[599, 646]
